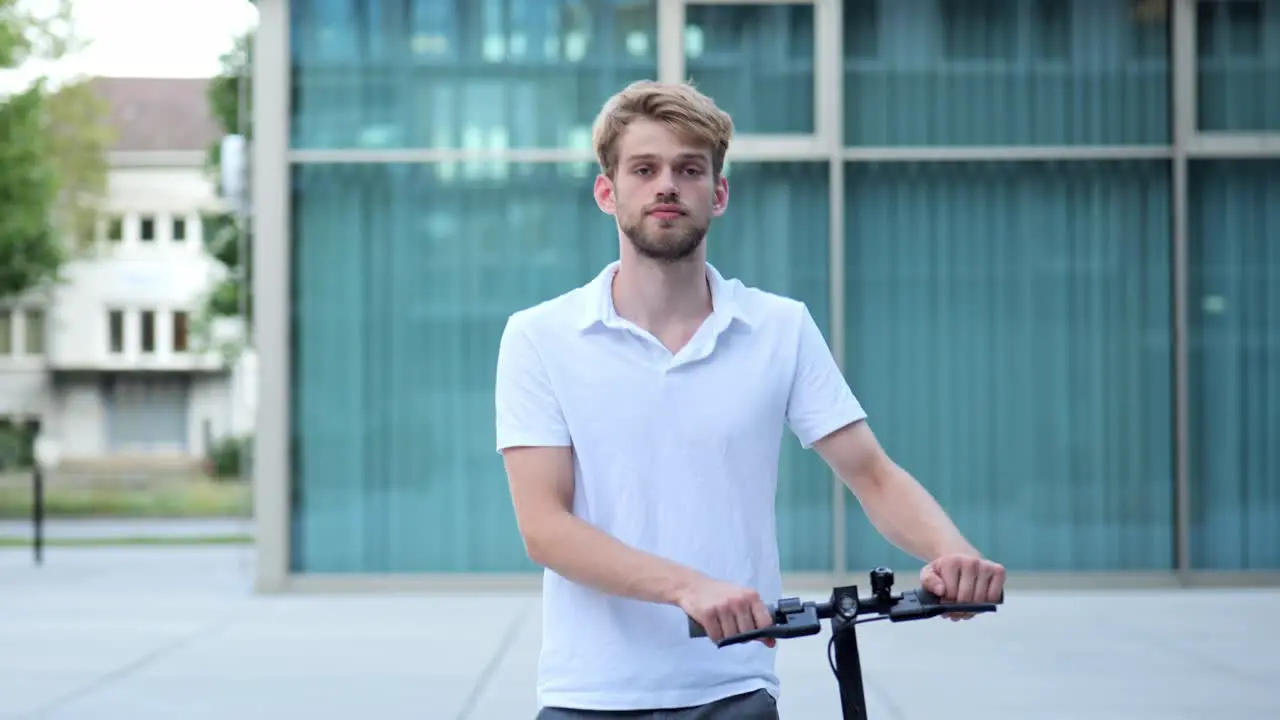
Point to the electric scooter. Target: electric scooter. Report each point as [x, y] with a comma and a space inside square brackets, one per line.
[795, 618]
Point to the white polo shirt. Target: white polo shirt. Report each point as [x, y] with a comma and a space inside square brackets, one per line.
[676, 455]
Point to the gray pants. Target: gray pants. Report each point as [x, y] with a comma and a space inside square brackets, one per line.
[758, 705]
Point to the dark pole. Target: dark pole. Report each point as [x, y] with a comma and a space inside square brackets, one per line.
[37, 514]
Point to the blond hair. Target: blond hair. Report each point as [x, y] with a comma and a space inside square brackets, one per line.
[693, 116]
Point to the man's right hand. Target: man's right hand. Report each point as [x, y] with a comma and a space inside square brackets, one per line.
[724, 609]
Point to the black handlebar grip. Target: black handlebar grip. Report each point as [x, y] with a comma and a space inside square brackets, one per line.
[696, 630]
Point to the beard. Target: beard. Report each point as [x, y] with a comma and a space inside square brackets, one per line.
[666, 241]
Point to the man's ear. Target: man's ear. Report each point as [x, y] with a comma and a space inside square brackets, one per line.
[604, 194]
[720, 200]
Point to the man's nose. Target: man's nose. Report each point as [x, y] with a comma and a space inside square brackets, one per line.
[667, 183]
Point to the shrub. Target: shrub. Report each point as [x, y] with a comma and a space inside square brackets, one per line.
[228, 456]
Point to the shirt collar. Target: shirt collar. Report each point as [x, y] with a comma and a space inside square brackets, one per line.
[598, 308]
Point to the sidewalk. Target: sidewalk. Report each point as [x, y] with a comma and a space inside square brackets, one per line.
[137, 634]
[99, 528]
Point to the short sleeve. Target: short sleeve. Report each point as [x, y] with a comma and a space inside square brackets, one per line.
[821, 401]
[528, 413]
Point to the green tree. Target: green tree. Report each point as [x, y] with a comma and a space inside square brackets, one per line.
[229, 95]
[53, 168]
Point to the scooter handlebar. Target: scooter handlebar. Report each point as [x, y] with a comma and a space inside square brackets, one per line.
[794, 618]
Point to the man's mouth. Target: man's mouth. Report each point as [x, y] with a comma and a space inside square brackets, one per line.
[666, 212]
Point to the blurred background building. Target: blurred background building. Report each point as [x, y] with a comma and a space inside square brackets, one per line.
[106, 362]
[1042, 237]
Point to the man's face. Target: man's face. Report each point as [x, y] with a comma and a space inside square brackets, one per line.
[662, 193]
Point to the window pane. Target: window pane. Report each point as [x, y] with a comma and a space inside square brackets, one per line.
[148, 323]
[34, 344]
[6, 332]
[1238, 65]
[756, 61]
[1234, 317]
[179, 228]
[486, 74]
[179, 332]
[115, 331]
[1009, 336]
[395, 339]
[999, 72]
[147, 229]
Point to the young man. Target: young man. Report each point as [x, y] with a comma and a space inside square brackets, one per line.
[640, 418]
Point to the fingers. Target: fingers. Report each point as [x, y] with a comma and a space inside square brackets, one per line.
[740, 620]
[995, 585]
[966, 579]
[930, 580]
[760, 614]
[733, 611]
[967, 574]
[710, 621]
[950, 573]
[763, 619]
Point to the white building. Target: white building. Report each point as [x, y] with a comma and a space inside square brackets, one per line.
[105, 362]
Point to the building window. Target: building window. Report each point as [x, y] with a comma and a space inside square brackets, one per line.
[179, 228]
[115, 229]
[179, 331]
[148, 331]
[147, 229]
[979, 29]
[34, 335]
[6, 332]
[115, 331]
[1226, 29]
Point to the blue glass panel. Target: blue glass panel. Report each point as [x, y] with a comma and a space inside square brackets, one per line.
[487, 74]
[1238, 65]
[1005, 72]
[404, 276]
[756, 61]
[1234, 304]
[1009, 335]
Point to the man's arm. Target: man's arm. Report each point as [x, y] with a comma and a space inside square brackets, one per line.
[904, 512]
[537, 453]
[825, 415]
[541, 481]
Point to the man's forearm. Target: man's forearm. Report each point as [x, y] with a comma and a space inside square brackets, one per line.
[909, 517]
[583, 553]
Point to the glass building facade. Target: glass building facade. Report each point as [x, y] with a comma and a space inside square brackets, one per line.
[1042, 236]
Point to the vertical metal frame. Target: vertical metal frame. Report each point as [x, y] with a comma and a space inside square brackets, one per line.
[1183, 77]
[672, 68]
[829, 53]
[272, 474]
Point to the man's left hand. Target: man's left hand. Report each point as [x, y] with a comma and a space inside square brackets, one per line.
[963, 579]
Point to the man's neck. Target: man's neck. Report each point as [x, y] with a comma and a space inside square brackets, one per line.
[657, 296]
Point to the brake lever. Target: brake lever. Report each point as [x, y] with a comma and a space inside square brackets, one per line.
[919, 604]
[746, 637]
[791, 619]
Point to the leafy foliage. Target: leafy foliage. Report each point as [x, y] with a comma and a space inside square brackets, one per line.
[30, 254]
[223, 234]
[53, 167]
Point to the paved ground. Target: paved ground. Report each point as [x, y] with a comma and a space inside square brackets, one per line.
[135, 634]
[81, 528]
